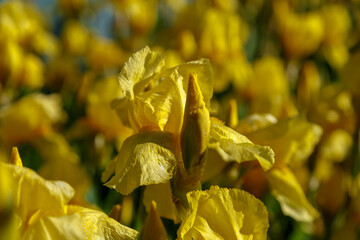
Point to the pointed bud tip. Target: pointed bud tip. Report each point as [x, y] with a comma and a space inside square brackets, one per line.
[15, 157]
[194, 96]
[153, 206]
[153, 227]
[115, 212]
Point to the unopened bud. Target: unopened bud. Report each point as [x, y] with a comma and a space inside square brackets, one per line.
[196, 126]
[194, 141]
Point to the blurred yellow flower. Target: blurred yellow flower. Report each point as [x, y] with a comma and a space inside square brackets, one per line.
[75, 38]
[334, 149]
[11, 56]
[33, 72]
[30, 118]
[335, 108]
[24, 20]
[269, 73]
[62, 163]
[222, 34]
[309, 85]
[337, 28]
[337, 23]
[301, 33]
[141, 14]
[103, 54]
[45, 43]
[100, 116]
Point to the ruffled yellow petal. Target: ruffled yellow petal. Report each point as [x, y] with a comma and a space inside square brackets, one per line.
[221, 213]
[98, 225]
[233, 146]
[287, 191]
[140, 67]
[145, 158]
[160, 107]
[56, 227]
[155, 97]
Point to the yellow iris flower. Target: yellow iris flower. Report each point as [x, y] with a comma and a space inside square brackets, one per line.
[168, 111]
[156, 99]
[160, 103]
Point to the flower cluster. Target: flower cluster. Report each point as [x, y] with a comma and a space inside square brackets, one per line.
[163, 119]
